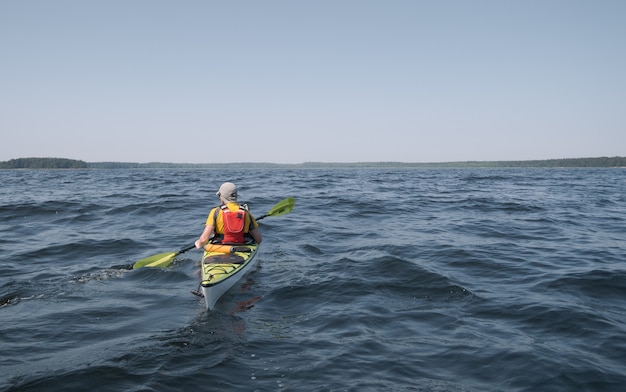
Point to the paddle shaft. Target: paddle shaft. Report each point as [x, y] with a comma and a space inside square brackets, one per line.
[186, 249]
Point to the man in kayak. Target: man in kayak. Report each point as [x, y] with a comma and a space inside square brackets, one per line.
[230, 223]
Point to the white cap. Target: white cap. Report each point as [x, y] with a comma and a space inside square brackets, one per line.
[228, 192]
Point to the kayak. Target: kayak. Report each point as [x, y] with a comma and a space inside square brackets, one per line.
[222, 267]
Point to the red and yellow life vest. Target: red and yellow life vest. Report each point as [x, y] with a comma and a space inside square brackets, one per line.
[234, 223]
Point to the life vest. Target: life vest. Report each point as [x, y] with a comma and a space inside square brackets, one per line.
[234, 222]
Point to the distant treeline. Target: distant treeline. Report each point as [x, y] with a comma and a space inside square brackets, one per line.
[62, 163]
[43, 163]
[566, 162]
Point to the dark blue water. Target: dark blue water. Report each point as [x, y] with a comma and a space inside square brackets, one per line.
[379, 280]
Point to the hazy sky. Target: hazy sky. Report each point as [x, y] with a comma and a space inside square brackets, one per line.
[299, 81]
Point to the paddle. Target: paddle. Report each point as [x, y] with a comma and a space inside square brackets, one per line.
[162, 260]
[283, 207]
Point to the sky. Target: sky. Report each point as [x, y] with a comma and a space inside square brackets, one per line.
[296, 81]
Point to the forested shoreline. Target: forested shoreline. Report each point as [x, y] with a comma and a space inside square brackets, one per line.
[43, 163]
[65, 163]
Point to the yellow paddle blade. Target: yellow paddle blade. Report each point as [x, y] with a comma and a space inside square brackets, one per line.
[283, 207]
[161, 260]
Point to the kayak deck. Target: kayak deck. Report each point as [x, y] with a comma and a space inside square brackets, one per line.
[222, 267]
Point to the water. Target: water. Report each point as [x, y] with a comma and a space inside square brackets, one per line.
[379, 280]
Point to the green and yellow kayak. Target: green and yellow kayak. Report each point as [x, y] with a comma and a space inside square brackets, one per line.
[222, 267]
